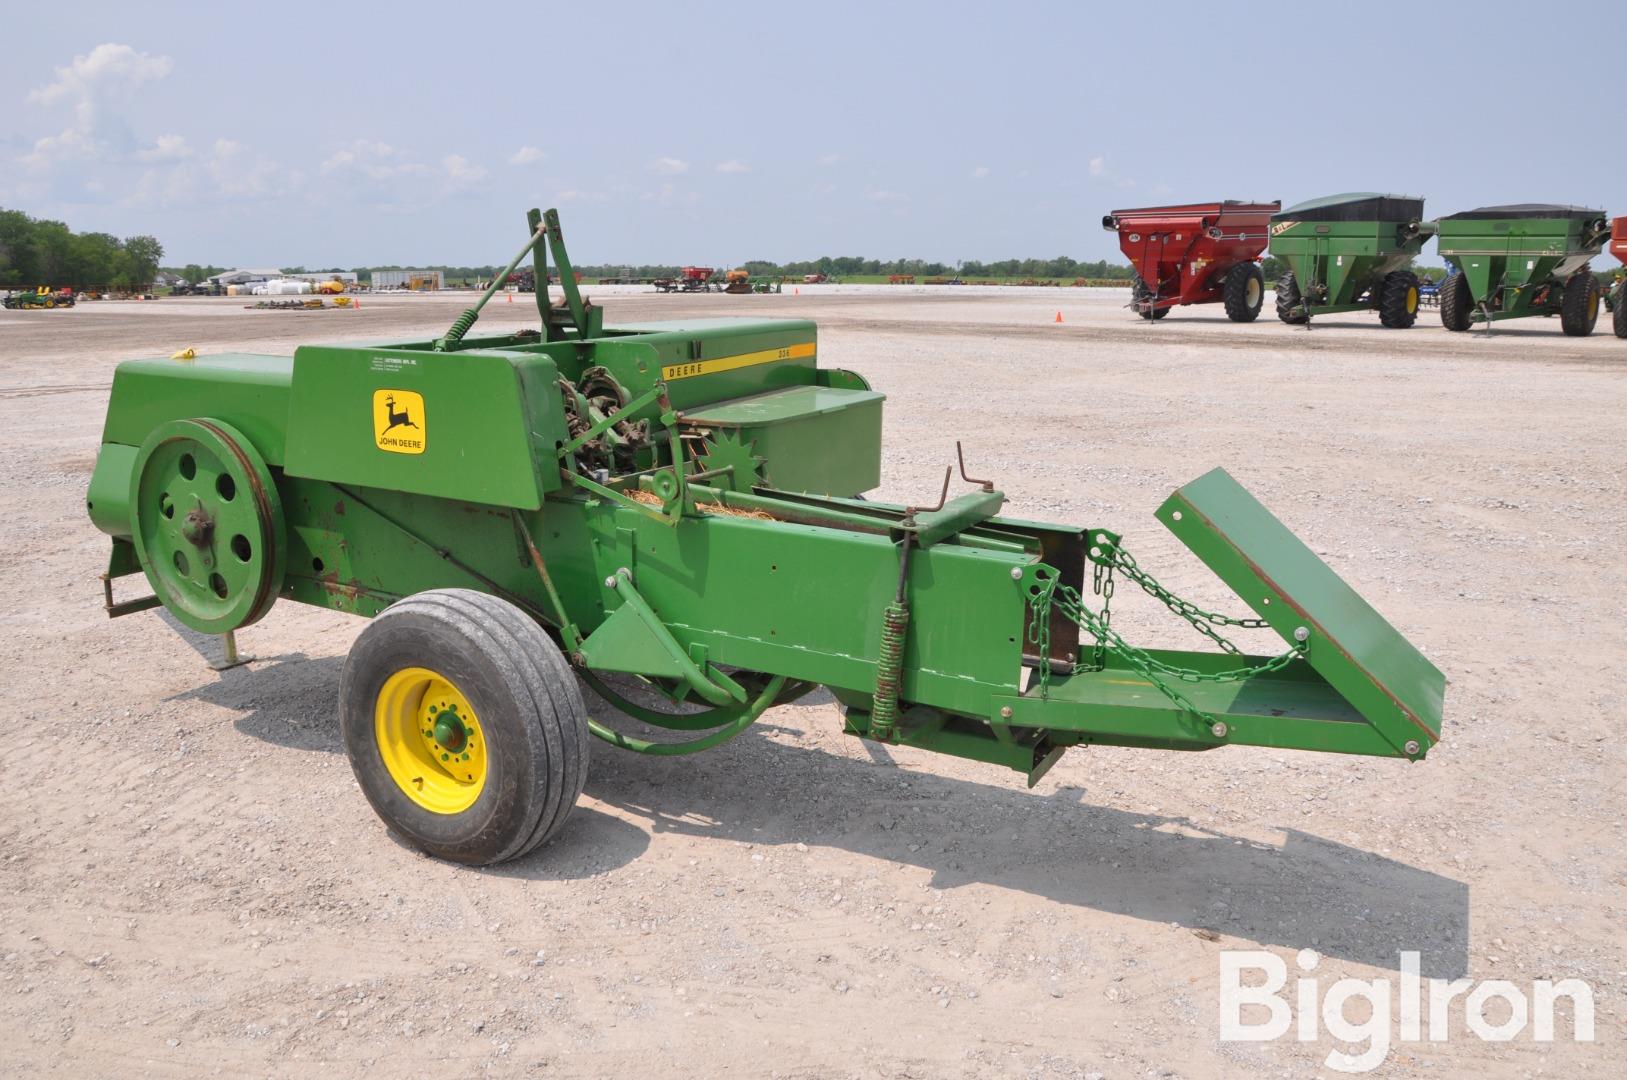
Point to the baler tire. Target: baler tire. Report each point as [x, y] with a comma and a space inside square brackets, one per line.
[1579, 307]
[1620, 314]
[1457, 303]
[1398, 299]
[522, 700]
[1140, 292]
[1287, 299]
[1244, 292]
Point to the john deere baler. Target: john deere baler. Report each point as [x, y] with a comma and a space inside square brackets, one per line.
[671, 514]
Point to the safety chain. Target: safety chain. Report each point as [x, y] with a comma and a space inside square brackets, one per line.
[1202, 621]
[1155, 671]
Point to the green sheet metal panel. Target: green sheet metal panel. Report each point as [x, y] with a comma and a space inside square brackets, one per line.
[816, 439]
[480, 427]
[249, 392]
[1351, 645]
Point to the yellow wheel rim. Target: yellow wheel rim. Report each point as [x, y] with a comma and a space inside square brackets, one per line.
[1412, 300]
[430, 740]
[1593, 306]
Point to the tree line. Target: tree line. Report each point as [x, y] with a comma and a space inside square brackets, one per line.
[37, 251]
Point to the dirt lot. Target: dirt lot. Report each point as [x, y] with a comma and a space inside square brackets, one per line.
[192, 883]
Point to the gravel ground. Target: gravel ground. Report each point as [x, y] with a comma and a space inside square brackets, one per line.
[193, 885]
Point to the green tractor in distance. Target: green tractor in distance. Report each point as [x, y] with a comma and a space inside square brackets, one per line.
[1522, 260]
[1350, 252]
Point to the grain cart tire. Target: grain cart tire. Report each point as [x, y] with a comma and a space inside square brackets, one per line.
[1579, 307]
[1288, 299]
[207, 524]
[1620, 315]
[1398, 300]
[1244, 292]
[1457, 303]
[1140, 292]
[464, 726]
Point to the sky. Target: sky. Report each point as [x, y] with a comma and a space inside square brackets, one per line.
[352, 135]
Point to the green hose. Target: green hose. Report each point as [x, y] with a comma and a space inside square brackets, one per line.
[705, 742]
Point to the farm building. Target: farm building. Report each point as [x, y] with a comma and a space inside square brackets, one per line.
[408, 279]
[245, 276]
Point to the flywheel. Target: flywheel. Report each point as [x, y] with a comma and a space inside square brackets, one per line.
[208, 524]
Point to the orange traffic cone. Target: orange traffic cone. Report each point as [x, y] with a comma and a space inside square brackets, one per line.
[796, 292]
[357, 306]
[511, 298]
[1059, 316]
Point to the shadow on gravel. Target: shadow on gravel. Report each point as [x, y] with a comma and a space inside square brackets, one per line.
[1309, 893]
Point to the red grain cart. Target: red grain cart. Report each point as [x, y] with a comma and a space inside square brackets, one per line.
[1201, 253]
[1618, 295]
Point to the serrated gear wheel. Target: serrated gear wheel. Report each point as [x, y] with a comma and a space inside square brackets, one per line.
[725, 449]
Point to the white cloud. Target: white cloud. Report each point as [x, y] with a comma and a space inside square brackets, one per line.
[167, 148]
[669, 166]
[525, 155]
[104, 66]
[374, 160]
[980, 172]
[733, 165]
[1098, 166]
[459, 170]
[887, 196]
[828, 160]
[100, 78]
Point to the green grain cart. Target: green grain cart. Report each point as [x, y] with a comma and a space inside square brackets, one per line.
[1521, 260]
[671, 514]
[1350, 252]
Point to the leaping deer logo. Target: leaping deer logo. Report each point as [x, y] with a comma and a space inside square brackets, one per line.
[396, 419]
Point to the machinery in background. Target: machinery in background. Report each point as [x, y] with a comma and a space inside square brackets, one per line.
[1350, 252]
[1617, 297]
[1198, 253]
[42, 297]
[690, 279]
[1522, 260]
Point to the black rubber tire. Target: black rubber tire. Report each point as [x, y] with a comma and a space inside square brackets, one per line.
[1398, 299]
[1287, 299]
[1244, 292]
[528, 705]
[1619, 319]
[1139, 292]
[1579, 307]
[1457, 303]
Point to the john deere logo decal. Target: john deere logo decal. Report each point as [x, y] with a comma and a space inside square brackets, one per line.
[398, 421]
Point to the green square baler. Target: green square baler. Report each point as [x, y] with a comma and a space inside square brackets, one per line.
[1511, 262]
[671, 514]
[1350, 252]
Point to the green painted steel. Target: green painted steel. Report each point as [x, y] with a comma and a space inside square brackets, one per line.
[566, 471]
[819, 439]
[1288, 586]
[1518, 260]
[1340, 249]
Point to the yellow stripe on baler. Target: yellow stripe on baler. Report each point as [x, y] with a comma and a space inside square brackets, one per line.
[691, 368]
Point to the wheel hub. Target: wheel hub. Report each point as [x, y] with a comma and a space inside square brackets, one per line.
[208, 525]
[197, 527]
[430, 740]
[449, 733]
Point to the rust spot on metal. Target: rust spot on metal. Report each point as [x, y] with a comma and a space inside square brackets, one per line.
[339, 508]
